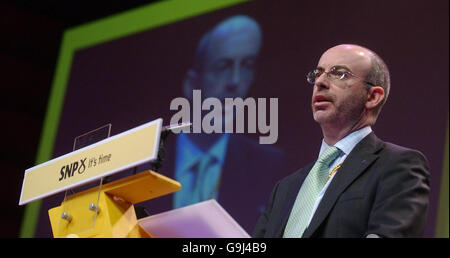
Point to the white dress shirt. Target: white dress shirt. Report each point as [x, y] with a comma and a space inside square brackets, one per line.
[346, 145]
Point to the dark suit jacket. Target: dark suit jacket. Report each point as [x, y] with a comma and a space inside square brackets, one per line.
[249, 170]
[381, 188]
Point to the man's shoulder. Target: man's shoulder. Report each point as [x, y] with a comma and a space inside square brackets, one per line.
[384, 149]
[391, 157]
[395, 151]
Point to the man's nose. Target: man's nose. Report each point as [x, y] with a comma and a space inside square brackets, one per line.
[236, 75]
[322, 82]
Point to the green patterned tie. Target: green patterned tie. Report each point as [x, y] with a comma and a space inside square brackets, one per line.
[307, 196]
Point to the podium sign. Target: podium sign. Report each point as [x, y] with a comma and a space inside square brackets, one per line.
[104, 158]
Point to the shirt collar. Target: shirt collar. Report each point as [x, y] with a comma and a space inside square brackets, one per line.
[347, 143]
[218, 150]
[191, 153]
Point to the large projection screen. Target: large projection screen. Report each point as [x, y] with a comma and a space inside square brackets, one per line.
[126, 69]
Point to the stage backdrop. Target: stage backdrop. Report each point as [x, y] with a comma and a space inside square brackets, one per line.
[126, 69]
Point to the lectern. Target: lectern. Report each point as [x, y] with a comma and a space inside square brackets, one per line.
[105, 210]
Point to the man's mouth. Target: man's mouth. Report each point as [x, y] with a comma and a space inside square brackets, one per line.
[321, 101]
[321, 98]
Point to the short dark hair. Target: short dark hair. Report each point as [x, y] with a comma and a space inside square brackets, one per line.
[379, 76]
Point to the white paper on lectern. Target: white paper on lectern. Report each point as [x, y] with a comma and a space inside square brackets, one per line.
[201, 220]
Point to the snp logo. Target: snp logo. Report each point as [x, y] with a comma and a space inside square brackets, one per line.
[69, 170]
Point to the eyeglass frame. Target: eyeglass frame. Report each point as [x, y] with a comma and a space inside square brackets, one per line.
[310, 77]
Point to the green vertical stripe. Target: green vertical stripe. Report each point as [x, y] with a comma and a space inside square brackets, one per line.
[29, 219]
[442, 218]
[97, 32]
[49, 130]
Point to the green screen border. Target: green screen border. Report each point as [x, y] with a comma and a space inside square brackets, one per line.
[442, 223]
[97, 32]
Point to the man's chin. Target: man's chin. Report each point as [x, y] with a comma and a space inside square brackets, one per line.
[321, 116]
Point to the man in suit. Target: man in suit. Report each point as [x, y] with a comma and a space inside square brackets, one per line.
[232, 168]
[360, 186]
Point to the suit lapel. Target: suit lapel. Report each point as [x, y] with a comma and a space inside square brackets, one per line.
[356, 163]
[292, 192]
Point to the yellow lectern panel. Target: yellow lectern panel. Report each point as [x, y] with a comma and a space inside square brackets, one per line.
[105, 210]
[114, 154]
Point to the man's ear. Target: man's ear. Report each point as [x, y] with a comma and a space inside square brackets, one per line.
[375, 97]
[191, 82]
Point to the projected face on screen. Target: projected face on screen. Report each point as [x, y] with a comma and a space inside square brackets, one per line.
[226, 59]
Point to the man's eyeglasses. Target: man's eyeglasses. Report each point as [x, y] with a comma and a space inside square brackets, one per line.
[335, 73]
